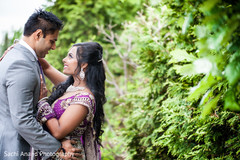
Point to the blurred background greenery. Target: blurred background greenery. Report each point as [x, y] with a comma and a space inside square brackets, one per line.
[173, 70]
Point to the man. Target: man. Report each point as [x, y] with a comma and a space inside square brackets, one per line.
[20, 88]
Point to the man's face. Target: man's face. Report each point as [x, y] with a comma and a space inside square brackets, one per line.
[43, 45]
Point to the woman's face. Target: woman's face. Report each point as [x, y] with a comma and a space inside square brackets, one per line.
[70, 62]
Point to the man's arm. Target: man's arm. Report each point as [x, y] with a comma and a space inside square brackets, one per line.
[21, 82]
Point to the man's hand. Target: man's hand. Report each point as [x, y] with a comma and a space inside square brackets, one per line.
[70, 152]
[43, 88]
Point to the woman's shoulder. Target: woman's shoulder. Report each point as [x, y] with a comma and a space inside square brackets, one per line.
[85, 94]
[85, 98]
[70, 95]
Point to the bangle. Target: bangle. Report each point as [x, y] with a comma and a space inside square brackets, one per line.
[43, 99]
[45, 112]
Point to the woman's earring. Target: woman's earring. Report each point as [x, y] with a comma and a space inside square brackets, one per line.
[82, 74]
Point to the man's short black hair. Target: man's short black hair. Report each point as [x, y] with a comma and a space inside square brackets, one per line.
[46, 21]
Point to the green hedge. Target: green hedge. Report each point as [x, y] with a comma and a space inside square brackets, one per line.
[188, 52]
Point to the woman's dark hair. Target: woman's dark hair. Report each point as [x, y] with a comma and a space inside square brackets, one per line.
[46, 21]
[90, 53]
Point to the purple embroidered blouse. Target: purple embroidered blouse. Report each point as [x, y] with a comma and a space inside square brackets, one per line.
[84, 134]
[83, 98]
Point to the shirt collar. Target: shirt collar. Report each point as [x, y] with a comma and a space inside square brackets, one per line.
[22, 42]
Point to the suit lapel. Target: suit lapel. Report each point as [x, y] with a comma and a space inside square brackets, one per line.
[28, 55]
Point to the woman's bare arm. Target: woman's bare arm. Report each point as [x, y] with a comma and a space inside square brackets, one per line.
[70, 119]
[52, 73]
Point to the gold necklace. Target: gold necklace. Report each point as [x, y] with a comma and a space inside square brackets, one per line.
[72, 88]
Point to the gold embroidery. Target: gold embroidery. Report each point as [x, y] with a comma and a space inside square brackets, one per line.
[85, 99]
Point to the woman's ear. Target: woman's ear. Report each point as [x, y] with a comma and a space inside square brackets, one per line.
[84, 66]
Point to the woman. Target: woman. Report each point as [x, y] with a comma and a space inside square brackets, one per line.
[75, 109]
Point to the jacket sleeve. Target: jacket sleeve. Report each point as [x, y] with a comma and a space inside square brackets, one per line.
[21, 82]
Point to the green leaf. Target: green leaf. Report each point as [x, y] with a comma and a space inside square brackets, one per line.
[230, 102]
[203, 65]
[202, 87]
[185, 70]
[179, 55]
[208, 5]
[187, 21]
[180, 21]
[232, 25]
[209, 107]
[206, 97]
[201, 31]
[232, 71]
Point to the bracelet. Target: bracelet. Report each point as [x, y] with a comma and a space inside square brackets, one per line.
[45, 112]
[43, 99]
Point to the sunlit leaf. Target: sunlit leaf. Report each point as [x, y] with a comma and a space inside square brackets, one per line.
[202, 87]
[201, 31]
[232, 71]
[208, 5]
[187, 21]
[206, 97]
[230, 102]
[179, 55]
[185, 70]
[209, 107]
[202, 65]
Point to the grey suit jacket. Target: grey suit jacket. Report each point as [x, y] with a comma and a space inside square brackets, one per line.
[19, 94]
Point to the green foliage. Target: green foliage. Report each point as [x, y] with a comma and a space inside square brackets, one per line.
[81, 18]
[186, 89]
[181, 55]
[9, 40]
[231, 102]
[207, 82]
[87, 21]
[172, 74]
[233, 69]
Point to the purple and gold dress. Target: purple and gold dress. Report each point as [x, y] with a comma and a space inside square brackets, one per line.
[84, 134]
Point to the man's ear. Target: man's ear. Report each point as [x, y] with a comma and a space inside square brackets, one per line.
[38, 34]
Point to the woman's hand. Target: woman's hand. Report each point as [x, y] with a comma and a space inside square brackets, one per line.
[52, 73]
[5, 53]
[45, 65]
[9, 48]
